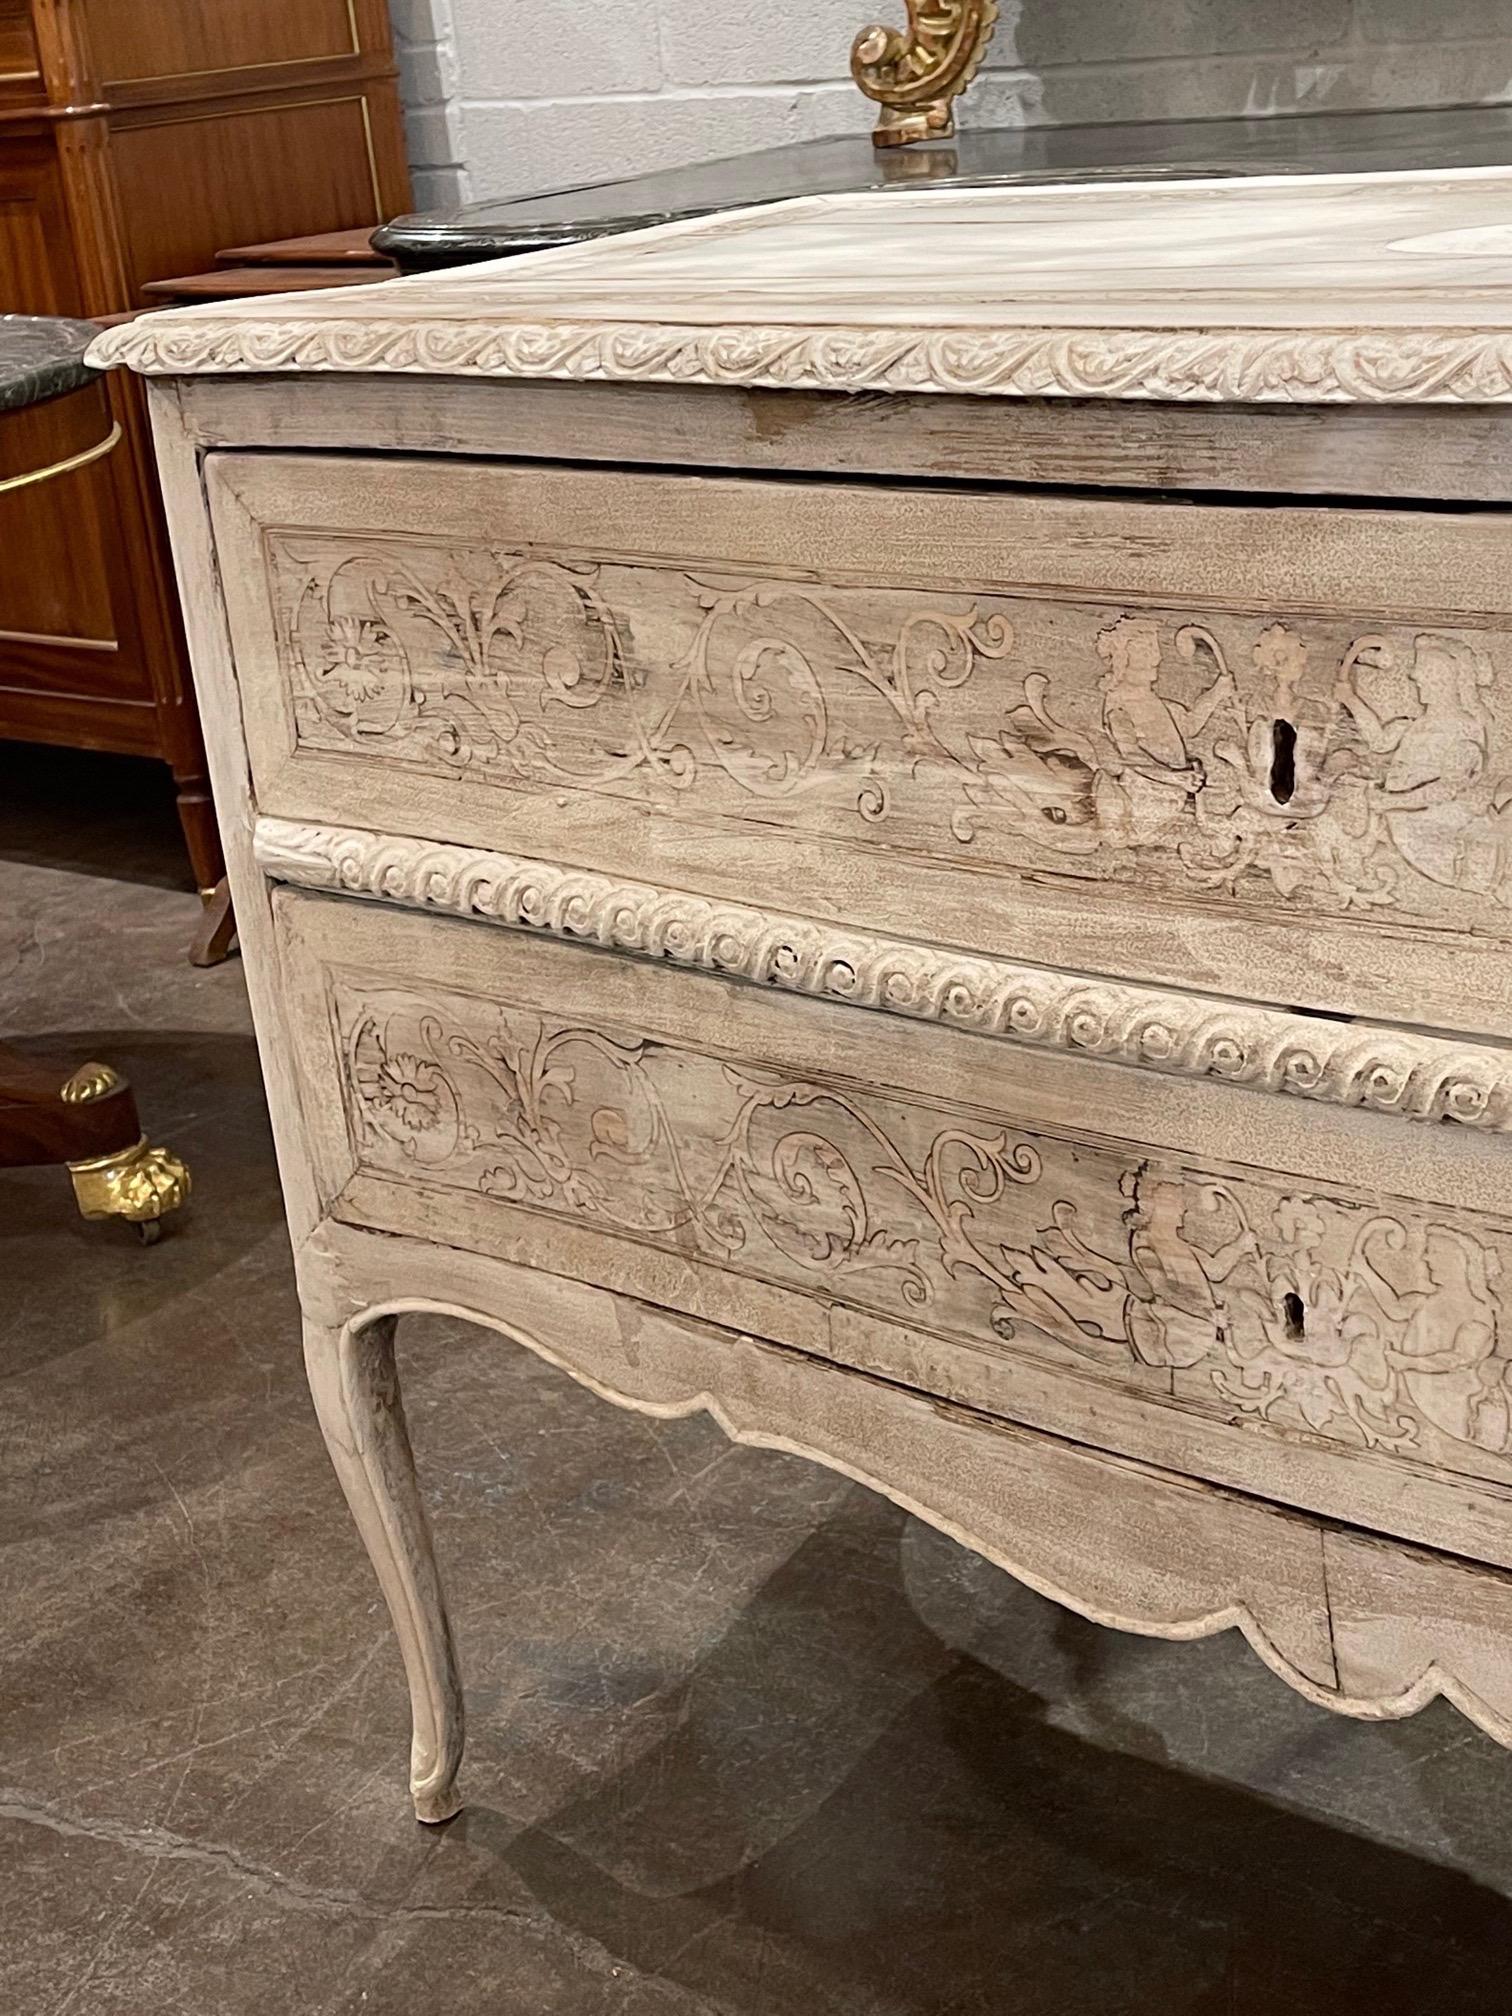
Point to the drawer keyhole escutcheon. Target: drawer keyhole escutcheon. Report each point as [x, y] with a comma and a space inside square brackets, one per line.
[1283, 769]
[1296, 1317]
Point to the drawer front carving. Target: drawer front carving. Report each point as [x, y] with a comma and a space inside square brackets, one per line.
[1040, 712]
[1376, 1323]
[1347, 770]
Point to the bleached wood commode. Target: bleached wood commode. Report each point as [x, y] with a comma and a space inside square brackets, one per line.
[918, 853]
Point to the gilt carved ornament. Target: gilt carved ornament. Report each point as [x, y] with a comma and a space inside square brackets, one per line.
[915, 74]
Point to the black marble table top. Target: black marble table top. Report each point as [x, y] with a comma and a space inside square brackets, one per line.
[1314, 143]
[42, 357]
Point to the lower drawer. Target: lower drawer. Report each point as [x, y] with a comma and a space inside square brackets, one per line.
[1144, 1265]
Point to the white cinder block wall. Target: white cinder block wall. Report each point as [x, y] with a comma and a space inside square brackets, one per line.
[506, 96]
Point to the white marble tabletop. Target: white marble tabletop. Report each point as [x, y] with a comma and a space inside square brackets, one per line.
[1390, 287]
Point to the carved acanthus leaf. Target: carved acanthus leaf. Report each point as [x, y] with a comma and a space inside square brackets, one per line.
[1245, 366]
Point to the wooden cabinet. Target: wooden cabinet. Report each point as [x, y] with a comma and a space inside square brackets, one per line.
[135, 141]
[920, 860]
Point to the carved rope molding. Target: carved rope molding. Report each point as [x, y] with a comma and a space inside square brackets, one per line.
[1402, 1072]
[1243, 366]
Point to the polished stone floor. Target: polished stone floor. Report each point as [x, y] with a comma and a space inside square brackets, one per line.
[745, 1739]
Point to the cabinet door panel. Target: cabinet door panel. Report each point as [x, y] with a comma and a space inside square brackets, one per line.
[18, 47]
[36, 242]
[240, 176]
[173, 38]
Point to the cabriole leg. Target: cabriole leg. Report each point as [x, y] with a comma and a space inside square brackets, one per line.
[356, 1391]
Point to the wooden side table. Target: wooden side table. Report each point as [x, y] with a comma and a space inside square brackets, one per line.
[88, 1122]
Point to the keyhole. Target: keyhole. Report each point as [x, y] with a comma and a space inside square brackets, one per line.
[1283, 777]
[1296, 1317]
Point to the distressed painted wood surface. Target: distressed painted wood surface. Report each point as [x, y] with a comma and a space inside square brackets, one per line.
[734, 1155]
[1181, 1352]
[1179, 742]
[1363, 1629]
[1385, 288]
[1410, 1073]
[1413, 452]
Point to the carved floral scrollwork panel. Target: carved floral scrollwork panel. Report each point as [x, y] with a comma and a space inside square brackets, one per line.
[1297, 1310]
[1279, 762]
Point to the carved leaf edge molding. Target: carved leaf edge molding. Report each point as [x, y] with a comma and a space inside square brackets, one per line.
[1401, 1072]
[1248, 366]
[763, 1417]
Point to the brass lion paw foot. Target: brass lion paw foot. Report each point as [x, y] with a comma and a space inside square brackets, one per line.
[141, 1184]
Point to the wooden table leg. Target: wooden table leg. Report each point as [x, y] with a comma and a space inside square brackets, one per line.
[88, 1124]
[216, 934]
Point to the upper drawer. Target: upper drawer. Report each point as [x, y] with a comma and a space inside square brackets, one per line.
[1265, 751]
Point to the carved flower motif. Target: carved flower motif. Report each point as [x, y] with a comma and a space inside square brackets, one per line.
[410, 1089]
[356, 654]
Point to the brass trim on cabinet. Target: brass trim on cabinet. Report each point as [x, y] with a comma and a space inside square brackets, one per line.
[247, 69]
[69, 462]
[199, 117]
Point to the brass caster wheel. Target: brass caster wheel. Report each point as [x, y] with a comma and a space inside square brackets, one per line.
[141, 1184]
